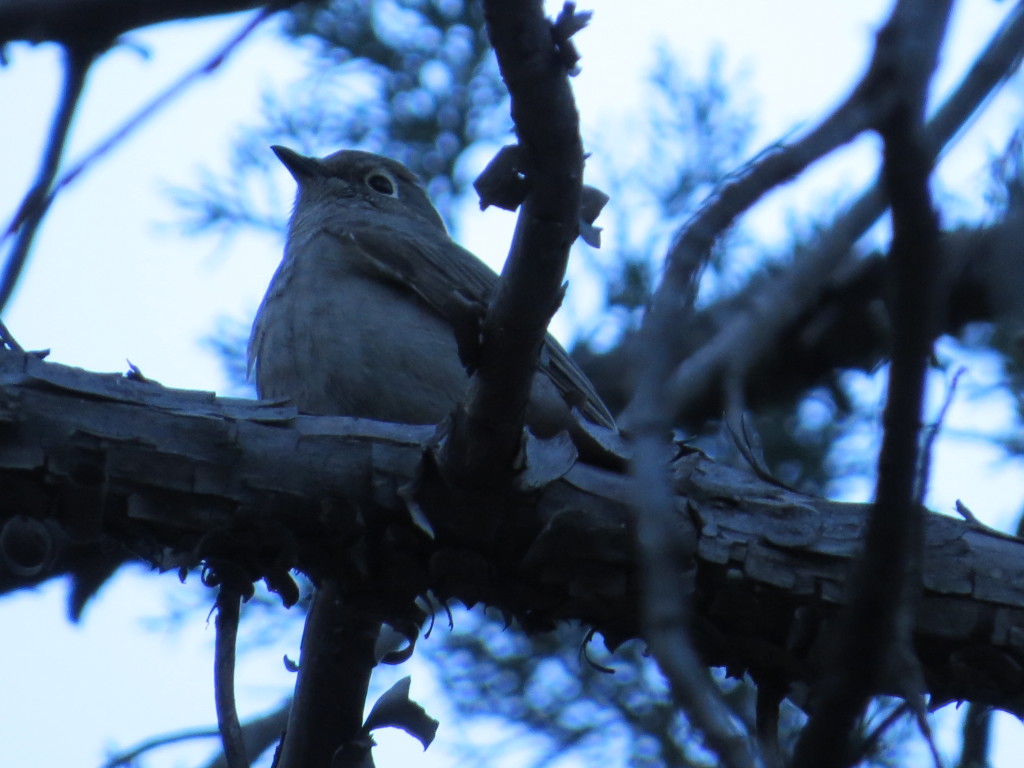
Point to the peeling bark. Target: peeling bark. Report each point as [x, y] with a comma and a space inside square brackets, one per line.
[94, 464]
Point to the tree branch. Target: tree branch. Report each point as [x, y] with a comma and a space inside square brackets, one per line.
[878, 624]
[104, 461]
[33, 207]
[486, 432]
[750, 335]
[41, 196]
[228, 609]
[336, 660]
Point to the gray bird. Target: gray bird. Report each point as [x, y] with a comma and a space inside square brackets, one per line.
[360, 317]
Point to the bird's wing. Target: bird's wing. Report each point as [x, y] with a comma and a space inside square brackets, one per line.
[430, 264]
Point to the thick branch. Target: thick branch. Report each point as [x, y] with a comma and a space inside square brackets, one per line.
[165, 472]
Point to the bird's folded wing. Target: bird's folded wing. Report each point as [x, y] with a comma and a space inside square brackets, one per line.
[430, 265]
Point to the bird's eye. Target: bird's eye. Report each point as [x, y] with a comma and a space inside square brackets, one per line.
[383, 183]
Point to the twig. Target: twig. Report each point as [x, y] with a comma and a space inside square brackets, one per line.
[229, 602]
[164, 98]
[872, 741]
[36, 201]
[128, 757]
[98, 22]
[39, 199]
[259, 733]
[931, 435]
[695, 239]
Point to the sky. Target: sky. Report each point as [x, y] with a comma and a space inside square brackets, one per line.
[113, 279]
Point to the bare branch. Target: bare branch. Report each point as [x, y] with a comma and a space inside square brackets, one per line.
[666, 552]
[337, 656]
[878, 623]
[486, 432]
[33, 207]
[137, 467]
[749, 336]
[128, 757]
[228, 607]
[39, 199]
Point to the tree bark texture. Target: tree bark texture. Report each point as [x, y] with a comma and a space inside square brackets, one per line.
[97, 464]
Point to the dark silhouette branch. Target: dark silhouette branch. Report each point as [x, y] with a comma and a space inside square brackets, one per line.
[129, 757]
[877, 628]
[106, 463]
[977, 738]
[754, 334]
[228, 608]
[260, 734]
[161, 100]
[40, 197]
[33, 207]
[325, 726]
[666, 552]
[531, 54]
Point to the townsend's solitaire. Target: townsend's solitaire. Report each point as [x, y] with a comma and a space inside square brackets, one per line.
[360, 317]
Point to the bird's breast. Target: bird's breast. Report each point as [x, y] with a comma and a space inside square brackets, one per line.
[337, 341]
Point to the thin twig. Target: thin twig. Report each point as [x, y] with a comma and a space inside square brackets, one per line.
[693, 244]
[871, 742]
[100, 22]
[29, 215]
[39, 199]
[163, 99]
[229, 602]
[128, 757]
[931, 435]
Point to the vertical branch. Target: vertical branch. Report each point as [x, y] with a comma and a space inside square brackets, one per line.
[229, 602]
[336, 659]
[879, 620]
[666, 545]
[532, 57]
[977, 737]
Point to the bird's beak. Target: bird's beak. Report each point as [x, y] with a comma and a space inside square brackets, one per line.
[301, 168]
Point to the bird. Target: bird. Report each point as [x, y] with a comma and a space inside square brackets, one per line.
[360, 317]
